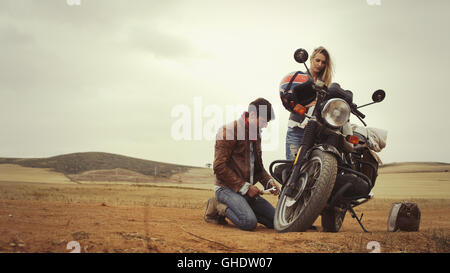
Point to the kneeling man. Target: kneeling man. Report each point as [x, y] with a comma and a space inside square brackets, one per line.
[238, 166]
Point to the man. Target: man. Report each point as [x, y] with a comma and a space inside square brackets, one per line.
[238, 166]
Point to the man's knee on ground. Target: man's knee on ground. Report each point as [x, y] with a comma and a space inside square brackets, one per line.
[248, 224]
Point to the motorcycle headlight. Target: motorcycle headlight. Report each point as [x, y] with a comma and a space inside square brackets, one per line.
[336, 113]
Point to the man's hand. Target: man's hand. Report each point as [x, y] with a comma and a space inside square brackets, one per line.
[253, 191]
[277, 188]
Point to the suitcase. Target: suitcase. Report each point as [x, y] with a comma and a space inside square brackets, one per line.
[404, 216]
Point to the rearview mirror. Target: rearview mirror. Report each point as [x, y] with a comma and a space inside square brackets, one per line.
[378, 96]
[301, 55]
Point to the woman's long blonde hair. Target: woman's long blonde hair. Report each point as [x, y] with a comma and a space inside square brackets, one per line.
[327, 73]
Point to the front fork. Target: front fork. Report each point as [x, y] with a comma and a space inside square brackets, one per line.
[292, 186]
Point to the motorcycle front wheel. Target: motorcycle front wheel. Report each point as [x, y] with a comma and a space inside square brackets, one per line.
[316, 181]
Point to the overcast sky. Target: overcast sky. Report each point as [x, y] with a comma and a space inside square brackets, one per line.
[114, 75]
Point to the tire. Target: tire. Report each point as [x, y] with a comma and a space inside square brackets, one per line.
[332, 220]
[317, 176]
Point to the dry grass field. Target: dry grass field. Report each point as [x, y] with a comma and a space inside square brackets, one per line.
[42, 211]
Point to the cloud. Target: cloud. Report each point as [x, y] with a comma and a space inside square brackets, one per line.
[106, 74]
[13, 36]
[161, 43]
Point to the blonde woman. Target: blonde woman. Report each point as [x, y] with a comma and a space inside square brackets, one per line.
[321, 68]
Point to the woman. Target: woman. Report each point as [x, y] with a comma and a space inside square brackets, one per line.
[321, 68]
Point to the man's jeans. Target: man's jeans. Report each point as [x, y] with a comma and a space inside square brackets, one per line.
[294, 138]
[246, 212]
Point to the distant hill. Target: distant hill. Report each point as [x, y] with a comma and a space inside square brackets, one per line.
[414, 167]
[98, 166]
[77, 163]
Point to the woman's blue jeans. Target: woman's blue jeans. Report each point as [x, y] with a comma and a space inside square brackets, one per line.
[294, 138]
[246, 212]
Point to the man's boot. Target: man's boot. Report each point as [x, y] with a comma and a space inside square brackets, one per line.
[221, 208]
[215, 212]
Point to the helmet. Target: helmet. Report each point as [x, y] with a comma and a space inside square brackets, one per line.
[296, 88]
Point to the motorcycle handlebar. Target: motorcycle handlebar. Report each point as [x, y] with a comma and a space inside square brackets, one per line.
[357, 112]
[361, 115]
[323, 88]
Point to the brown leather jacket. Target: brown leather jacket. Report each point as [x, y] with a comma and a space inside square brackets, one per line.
[232, 157]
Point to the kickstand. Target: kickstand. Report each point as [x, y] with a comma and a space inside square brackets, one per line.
[353, 213]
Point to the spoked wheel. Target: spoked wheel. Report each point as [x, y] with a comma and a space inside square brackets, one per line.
[332, 219]
[315, 183]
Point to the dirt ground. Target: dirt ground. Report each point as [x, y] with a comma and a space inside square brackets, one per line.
[41, 225]
[132, 217]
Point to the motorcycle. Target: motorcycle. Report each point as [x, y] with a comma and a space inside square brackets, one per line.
[334, 170]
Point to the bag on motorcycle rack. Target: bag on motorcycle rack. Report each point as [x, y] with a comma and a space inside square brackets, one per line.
[404, 216]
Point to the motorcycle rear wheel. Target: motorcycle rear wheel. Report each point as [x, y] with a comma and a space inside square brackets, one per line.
[317, 178]
[332, 219]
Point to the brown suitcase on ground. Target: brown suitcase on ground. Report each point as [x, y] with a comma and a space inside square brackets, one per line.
[404, 216]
